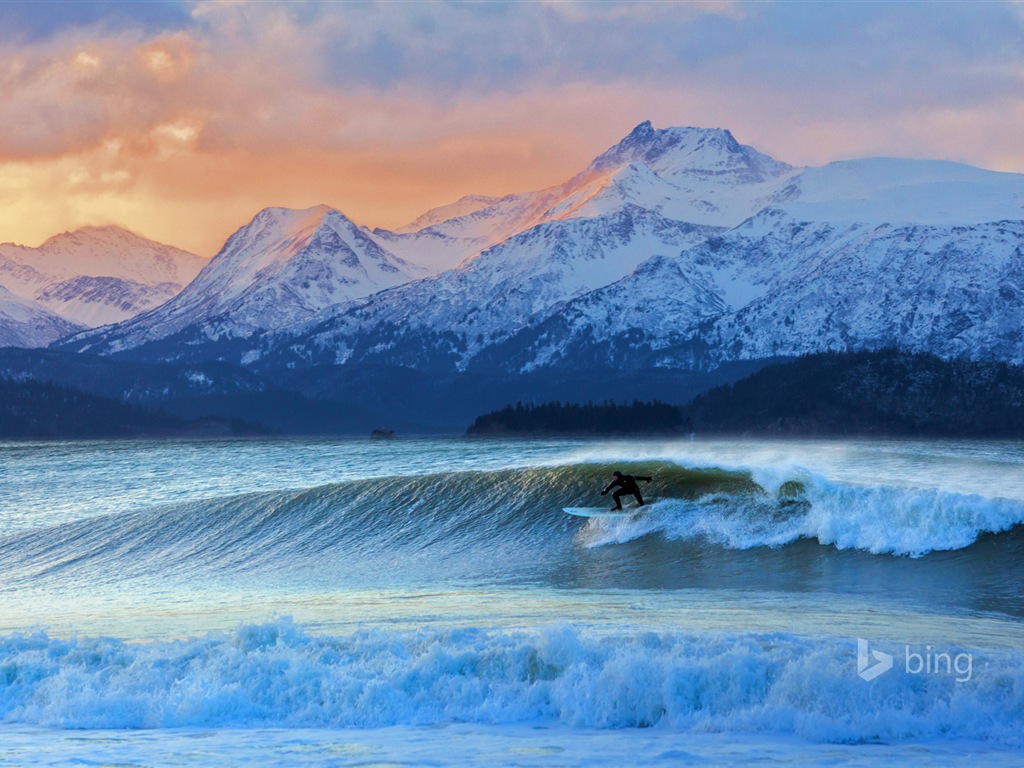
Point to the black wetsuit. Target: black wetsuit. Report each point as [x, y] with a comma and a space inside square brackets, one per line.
[627, 487]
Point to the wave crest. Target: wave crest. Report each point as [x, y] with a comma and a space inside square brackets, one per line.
[879, 520]
[276, 674]
[493, 521]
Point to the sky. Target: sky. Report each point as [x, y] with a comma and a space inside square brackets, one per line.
[181, 120]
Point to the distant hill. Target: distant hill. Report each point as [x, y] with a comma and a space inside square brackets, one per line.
[830, 394]
[886, 393]
[882, 393]
[36, 410]
[340, 400]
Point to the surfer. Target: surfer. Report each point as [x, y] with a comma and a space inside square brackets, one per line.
[627, 486]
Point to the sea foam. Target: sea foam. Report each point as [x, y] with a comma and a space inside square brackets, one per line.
[877, 519]
[277, 674]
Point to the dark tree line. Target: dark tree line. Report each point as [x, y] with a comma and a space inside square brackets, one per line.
[884, 393]
[39, 410]
[573, 419]
[877, 393]
[32, 409]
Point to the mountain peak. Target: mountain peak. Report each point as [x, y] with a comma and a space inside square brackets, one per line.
[644, 132]
[114, 251]
[92, 233]
[464, 206]
[96, 275]
[690, 152]
[291, 218]
[648, 144]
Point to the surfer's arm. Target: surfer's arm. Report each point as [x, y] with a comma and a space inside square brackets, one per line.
[646, 479]
[611, 485]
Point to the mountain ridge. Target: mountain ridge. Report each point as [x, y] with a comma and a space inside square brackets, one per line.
[93, 276]
[282, 267]
[676, 248]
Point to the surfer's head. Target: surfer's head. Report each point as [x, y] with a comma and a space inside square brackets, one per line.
[616, 473]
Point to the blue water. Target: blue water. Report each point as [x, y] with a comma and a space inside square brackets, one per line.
[354, 602]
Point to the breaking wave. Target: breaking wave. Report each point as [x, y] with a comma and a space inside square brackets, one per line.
[498, 520]
[278, 675]
[879, 520]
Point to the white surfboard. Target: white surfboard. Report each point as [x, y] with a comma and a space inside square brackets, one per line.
[598, 512]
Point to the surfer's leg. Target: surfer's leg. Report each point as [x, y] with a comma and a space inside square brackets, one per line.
[618, 498]
[639, 499]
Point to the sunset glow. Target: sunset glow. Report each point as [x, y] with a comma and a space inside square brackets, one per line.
[181, 120]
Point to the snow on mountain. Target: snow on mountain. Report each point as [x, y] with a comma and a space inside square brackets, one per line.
[23, 323]
[697, 175]
[97, 275]
[675, 248]
[96, 301]
[17, 272]
[431, 251]
[677, 153]
[461, 207]
[281, 268]
[954, 291]
[247, 289]
[656, 306]
[781, 286]
[452, 316]
[825, 238]
[905, 191]
[116, 252]
[692, 174]
[420, 242]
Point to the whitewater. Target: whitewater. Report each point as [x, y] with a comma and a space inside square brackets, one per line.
[426, 602]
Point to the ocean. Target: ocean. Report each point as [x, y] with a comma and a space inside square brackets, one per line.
[418, 602]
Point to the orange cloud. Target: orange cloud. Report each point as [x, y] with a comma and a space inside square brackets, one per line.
[183, 136]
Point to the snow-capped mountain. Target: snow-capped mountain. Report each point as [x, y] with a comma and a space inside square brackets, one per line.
[897, 191]
[513, 254]
[778, 286]
[281, 268]
[96, 301]
[676, 248]
[24, 323]
[464, 206]
[954, 291]
[697, 175]
[449, 318]
[629, 324]
[922, 255]
[97, 275]
[919, 255]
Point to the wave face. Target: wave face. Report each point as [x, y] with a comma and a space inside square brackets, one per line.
[705, 528]
[439, 515]
[724, 508]
[275, 674]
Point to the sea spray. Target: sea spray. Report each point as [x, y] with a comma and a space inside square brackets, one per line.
[883, 520]
[277, 674]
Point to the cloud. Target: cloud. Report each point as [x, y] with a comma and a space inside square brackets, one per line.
[629, 10]
[35, 20]
[205, 112]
